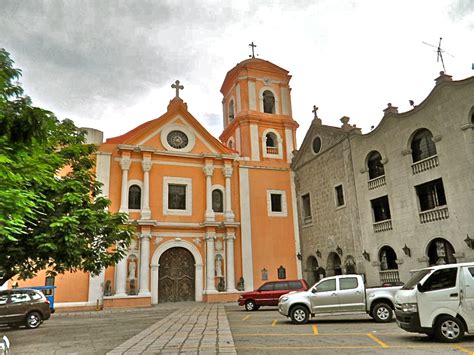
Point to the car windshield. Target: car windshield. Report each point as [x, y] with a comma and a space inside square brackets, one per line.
[415, 279]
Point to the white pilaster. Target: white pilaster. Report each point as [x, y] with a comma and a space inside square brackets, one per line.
[125, 165]
[254, 146]
[144, 265]
[103, 171]
[246, 229]
[289, 144]
[208, 171]
[121, 278]
[210, 268]
[295, 224]
[146, 165]
[96, 288]
[252, 95]
[238, 100]
[229, 214]
[230, 284]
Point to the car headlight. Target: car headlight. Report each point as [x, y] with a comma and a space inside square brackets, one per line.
[409, 307]
[283, 299]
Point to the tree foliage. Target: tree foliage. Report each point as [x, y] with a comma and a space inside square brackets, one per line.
[52, 214]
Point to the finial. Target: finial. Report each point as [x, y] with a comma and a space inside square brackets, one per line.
[315, 111]
[253, 47]
[177, 87]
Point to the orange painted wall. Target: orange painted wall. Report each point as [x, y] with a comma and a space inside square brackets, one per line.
[70, 287]
[272, 237]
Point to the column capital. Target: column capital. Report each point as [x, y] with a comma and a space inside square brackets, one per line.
[228, 171]
[145, 235]
[230, 236]
[208, 170]
[125, 163]
[210, 236]
[146, 164]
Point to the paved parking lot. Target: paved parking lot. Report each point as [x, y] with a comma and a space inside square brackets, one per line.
[267, 332]
[200, 328]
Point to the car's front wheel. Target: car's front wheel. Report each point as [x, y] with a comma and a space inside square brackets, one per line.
[33, 320]
[250, 305]
[449, 329]
[299, 315]
[382, 313]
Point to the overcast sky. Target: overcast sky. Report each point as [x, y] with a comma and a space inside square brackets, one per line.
[109, 64]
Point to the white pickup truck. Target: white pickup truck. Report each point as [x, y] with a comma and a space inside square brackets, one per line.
[344, 293]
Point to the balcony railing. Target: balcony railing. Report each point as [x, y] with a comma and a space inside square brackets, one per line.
[436, 214]
[383, 226]
[376, 182]
[272, 150]
[389, 276]
[425, 164]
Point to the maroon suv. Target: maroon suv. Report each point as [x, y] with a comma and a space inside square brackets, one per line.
[269, 293]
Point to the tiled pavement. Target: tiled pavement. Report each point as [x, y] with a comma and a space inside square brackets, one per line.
[194, 329]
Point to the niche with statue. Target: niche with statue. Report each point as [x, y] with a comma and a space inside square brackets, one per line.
[132, 284]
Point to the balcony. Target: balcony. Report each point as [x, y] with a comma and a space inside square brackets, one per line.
[383, 226]
[436, 214]
[425, 164]
[376, 182]
[389, 276]
[272, 150]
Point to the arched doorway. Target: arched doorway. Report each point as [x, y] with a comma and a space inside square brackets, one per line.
[312, 268]
[388, 265]
[176, 277]
[333, 265]
[440, 252]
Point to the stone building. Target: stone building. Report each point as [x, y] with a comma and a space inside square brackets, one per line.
[393, 200]
[214, 217]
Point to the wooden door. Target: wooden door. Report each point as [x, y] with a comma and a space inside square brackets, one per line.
[176, 278]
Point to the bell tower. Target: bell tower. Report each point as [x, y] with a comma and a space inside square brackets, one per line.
[258, 124]
[257, 112]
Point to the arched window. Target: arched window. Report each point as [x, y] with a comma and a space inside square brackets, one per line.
[271, 142]
[441, 252]
[230, 144]
[134, 197]
[387, 258]
[375, 166]
[231, 110]
[422, 145]
[268, 102]
[217, 201]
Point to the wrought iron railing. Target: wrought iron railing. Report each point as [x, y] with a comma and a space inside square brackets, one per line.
[272, 150]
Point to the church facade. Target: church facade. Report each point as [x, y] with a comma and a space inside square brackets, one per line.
[213, 217]
[393, 200]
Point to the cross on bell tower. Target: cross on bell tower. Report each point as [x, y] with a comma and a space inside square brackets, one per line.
[177, 87]
[253, 48]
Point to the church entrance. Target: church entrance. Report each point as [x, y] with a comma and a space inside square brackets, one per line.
[176, 278]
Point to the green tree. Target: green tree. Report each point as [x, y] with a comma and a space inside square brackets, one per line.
[52, 214]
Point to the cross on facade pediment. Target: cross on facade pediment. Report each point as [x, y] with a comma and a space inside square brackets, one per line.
[177, 87]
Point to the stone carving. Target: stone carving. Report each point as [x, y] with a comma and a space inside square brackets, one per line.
[108, 288]
[132, 269]
[208, 170]
[219, 265]
[125, 163]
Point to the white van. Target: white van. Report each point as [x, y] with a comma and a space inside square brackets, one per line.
[439, 301]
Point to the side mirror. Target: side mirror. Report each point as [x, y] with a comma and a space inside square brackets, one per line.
[314, 290]
[420, 288]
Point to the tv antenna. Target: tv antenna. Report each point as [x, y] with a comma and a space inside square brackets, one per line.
[439, 52]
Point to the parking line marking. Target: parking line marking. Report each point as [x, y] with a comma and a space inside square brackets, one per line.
[377, 340]
[460, 348]
[246, 317]
[315, 330]
[274, 322]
